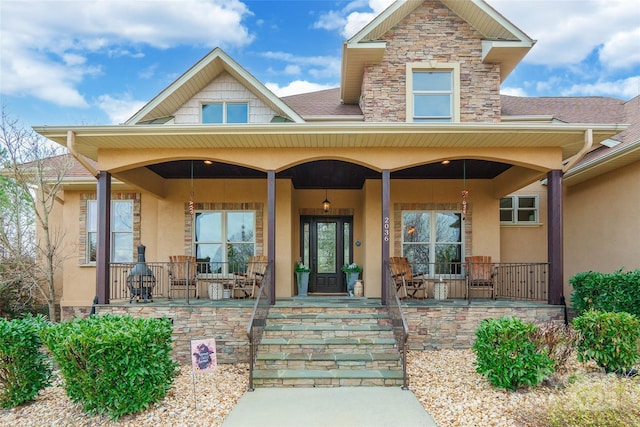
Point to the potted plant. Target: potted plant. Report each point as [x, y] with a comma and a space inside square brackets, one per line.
[351, 271]
[302, 278]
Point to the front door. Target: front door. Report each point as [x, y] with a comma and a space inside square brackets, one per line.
[326, 245]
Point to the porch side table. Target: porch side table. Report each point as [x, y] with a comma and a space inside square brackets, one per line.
[440, 290]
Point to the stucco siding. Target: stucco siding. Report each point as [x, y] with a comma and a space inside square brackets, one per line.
[602, 223]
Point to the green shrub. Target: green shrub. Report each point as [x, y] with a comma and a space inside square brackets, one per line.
[114, 365]
[619, 291]
[612, 340]
[24, 369]
[610, 402]
[506, 355]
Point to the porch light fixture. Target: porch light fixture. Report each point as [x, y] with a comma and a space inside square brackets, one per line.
[326, 204]
[208, 162]
[445, 162]
[411, 230]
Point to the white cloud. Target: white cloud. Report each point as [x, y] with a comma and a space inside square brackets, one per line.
[349, 20]
[45, 43]
[119, 109]
[569, 31]
[624, 89]
[622, 51]
[318, 67]
[296, 87]
[292, 69]
[513, 91]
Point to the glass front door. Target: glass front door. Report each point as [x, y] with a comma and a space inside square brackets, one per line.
[326, 244]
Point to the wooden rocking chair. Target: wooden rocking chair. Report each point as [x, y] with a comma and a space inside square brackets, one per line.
[480, 275]
[246, 284]
[182, 274]
[407, 284]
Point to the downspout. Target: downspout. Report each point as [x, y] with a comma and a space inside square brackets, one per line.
[588, 142]
[71, 146]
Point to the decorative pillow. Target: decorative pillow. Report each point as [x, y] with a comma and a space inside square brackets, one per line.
[204, 266]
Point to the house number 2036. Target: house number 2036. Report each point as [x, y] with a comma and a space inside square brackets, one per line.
[386, 233]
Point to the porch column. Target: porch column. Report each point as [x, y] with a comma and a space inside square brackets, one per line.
[554, 236]
[271, 232]
[103, 254]
[386, 232]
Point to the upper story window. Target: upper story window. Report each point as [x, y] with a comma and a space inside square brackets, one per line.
[227, 238]
[225, 112]
[519, 210]
[432, 96]
[121, 230]
[432, 241]
[433, 92]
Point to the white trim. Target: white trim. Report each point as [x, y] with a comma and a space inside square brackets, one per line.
[454, 67]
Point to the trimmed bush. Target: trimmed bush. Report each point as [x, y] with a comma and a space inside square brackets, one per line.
[24, 369]
[114, 365]
[619, 291]
[612, 340]
[506, 355]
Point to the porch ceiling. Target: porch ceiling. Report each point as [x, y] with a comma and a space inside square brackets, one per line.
[90, 139]
[331, 174]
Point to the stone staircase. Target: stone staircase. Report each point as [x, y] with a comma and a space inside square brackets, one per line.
[328, 343]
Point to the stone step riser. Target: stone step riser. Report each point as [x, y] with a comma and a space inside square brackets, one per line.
[324, 334]
[328, 365]
[330, 322]
[324, 382]
[336, 349]
[324, 311]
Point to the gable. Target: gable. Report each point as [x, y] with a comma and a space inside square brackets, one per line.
[208, 69]
[501, 41]
[225, 88]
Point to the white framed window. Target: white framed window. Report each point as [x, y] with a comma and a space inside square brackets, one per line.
[519, 210]
[225, 112]
[226, 238]
[433, 241]
[121, 231]
[433, 92]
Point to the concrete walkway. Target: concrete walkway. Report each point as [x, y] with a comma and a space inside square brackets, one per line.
[329, 407]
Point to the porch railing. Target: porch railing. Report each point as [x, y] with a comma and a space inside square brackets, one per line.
[206, 272]
[399, 323]
[258, 321]
[514, 280]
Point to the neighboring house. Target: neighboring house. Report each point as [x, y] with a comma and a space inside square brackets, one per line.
[216, 165]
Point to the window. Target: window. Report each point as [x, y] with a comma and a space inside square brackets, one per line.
[225, 237]
[432, 96]
[519, 209]
[433, 92]
[121, 230]
[225, 112]
[432, 241]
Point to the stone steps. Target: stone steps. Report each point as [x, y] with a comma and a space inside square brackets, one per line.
[328, 344]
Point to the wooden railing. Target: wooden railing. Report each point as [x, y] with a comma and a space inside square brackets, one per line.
[258, 321]
[400, 326]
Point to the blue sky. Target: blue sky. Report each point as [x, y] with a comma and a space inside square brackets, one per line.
[97, 62]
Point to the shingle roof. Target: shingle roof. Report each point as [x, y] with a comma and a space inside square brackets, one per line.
[587, 109]
[321, 103]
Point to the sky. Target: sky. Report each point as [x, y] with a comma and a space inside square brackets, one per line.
[96, 62]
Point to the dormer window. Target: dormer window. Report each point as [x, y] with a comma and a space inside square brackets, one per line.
[225, 112]
[433, 92]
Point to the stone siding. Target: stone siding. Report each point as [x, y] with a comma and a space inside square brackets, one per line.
[432, 32]
[228, 325]
[435, 328]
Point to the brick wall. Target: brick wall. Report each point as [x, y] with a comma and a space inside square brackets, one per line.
[432, 32]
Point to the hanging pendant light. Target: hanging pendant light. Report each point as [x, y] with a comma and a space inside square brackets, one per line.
[326, 204]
